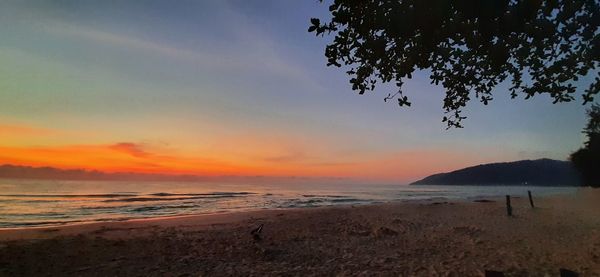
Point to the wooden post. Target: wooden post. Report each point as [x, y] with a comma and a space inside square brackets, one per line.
[530, 199]
[508, 207]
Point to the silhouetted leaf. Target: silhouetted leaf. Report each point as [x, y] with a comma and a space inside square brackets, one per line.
[469, 47]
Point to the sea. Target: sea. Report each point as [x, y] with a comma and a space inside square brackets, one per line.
[37, 203]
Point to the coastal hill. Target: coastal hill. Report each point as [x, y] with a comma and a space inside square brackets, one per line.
[542, 172]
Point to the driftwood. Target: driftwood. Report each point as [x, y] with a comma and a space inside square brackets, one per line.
[256, 232]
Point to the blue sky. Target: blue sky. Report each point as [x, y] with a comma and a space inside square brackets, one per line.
[241, 82]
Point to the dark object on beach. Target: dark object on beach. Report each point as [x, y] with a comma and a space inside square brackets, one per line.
[385, 231]
[256, 233]
[530, 199]
[568, 273]
[508, 206]
[484, 201]
[491, 273]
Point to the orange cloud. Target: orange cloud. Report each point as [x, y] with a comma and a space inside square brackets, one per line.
[132, 149]
[115, 157]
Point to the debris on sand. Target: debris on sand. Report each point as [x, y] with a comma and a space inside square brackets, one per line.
[256, 232]
[384, 231]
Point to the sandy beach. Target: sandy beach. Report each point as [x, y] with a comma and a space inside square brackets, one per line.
[427, 238]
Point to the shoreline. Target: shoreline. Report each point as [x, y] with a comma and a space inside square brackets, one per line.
[225, 217]
[228, 215]
[207, 219]
[422, 238]
[251, 210]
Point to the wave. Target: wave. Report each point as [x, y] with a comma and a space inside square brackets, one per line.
[156, 208]
[350, 200]
[327, 196]
[201, 194]
[47, 214]
[315, 201]
[34, 201]
[108, 195]
[103, 207]
[198, 196]
[37, 223]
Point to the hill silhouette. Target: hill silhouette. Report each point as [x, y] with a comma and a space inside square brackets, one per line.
[542, 172]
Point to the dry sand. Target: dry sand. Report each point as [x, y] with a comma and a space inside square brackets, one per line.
[397, 239]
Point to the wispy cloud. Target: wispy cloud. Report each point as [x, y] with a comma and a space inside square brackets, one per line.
[23, 130]
[258, 53]
[136, 44]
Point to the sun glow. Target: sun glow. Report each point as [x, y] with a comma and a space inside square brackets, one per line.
[274, 161]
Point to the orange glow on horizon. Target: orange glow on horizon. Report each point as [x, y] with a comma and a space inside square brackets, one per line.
[242, 156]
[131, 157]
[121, 157]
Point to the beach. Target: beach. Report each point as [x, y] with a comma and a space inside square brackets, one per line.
[411, 238]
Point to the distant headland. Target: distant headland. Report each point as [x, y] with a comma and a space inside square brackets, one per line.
[542, 172]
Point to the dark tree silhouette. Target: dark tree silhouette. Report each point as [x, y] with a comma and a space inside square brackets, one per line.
[587, 159]
[542, 47]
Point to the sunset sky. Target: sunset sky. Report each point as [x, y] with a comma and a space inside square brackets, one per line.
[233, 88]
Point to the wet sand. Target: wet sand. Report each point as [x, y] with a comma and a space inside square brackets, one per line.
[428, 238]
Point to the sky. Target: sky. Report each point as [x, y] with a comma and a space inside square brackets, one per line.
[234, 88]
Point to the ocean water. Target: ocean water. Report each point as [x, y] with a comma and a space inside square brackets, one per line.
[32, 203]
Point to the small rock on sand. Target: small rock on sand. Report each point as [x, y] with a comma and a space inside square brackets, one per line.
[385, 231]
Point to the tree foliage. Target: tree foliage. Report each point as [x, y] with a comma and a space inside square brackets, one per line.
[587, 159]
[469, 47]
